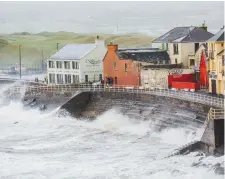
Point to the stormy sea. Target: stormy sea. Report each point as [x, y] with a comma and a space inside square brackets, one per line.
[42, 145]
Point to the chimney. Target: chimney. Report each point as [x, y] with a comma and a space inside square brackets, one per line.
[99, 42]
[204, 27]
[112, 47]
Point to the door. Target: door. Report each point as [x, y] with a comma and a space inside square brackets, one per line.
[100, 77]
[219, 132]
[197, 76]
[213, 83]
[86, 78]
[115, 80]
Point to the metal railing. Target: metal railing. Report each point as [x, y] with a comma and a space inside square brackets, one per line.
[216, 114]
[183, 95]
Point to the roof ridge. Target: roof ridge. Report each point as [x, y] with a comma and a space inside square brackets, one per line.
[172, 30]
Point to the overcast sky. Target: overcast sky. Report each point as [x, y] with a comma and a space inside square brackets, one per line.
[148, 17]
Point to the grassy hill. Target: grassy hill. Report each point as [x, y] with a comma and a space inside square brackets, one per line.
[33, 44]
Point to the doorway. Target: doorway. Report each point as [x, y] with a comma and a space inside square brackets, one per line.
[100, 77]
[213, 85]
[86, 78]
[219, 132]
[115, 80]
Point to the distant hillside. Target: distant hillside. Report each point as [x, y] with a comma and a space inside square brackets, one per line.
[32, 44]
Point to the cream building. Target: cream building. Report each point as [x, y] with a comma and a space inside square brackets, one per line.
[182, 42]
[216, 63]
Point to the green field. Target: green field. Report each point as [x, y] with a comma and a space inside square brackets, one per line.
[33, 44]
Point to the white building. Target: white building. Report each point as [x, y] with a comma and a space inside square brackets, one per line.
[77, 63]
[182, 42]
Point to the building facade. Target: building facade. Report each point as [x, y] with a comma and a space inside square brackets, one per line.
[156, 76]
[123, 66]
[181, 42]
[77, 63]
[216, 63]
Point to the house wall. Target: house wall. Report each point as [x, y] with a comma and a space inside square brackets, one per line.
[216, 67]
[184, 49]
[198, 56]
[62, 70]
[92, 64]
[158, 78]
[129, 78]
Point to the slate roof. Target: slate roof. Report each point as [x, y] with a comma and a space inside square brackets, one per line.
[167, 66]
[143, 54]
[218, 37]
[73, 51]
[184, 35]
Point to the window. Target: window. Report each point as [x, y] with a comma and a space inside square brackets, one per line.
[175, 49]
[125, 67]
[196, 46]
[67, 65]
[59, 78]
[75, 65]
[75, 78]
[175, 61]
[51, 78]
[58, 64]
[67, 79]
[116, 80]
[114, 65]
[51, 64]
[192, 62]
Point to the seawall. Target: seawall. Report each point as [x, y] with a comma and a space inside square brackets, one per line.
[99, 102]
[161, 111]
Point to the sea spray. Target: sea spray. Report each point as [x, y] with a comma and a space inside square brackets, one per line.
[45, 145]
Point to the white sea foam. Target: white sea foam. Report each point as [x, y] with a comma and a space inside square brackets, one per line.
[36, 145]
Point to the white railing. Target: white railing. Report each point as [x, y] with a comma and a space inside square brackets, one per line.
[183, 95]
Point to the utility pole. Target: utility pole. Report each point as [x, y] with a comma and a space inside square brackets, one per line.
[42, 60]
[57, 46]
[20, 59]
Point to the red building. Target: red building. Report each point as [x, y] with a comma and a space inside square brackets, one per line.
[122, 66]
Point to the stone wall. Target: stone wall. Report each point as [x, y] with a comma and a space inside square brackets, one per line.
[160, 111]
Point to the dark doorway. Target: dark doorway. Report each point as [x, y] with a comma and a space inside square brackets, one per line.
[213, 84]
[86, 78]
[100, 77]
[219, 132]
[197, 76]
[116, 80]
